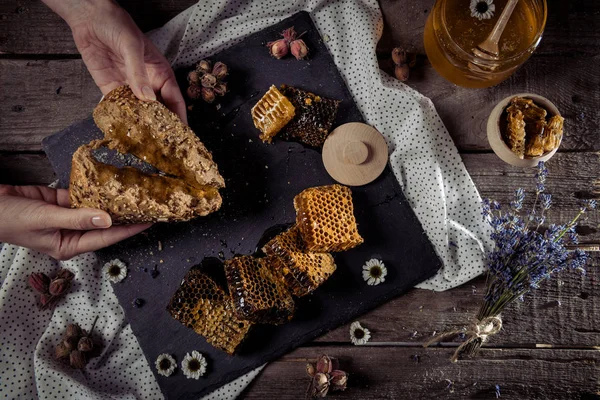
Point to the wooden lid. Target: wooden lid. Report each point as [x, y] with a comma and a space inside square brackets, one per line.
[355, 154]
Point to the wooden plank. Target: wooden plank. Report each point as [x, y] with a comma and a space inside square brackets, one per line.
[41, 97]
[29, 27]
[28, 93]
[25, 169]
[395, 373]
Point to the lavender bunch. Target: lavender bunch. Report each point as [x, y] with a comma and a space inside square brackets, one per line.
[523, 257]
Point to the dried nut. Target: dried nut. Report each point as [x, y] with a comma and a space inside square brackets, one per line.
[73, 330]
[220, 89]
[220, 70]
[204, 67]
[402, 72]
[61, 351]
[299, 49]
[65, 274]
[278, 48]
[85, 344]
[324, 364]
[194, 92]
[399, 56]
[77, 359]
[208, 95]
[39, 282]
[208, 81]
[310, 369]
[339, 380]
[59, 286]
[194, 77]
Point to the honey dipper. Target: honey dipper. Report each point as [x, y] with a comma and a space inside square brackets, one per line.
[488, 49]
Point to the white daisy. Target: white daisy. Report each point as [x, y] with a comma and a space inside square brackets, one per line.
[358, 334]
[194, 365]
[165, 364]
[374, 272]
[115, 270]
[482, 9]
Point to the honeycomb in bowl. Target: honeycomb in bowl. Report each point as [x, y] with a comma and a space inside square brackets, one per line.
[202, 305]
[325, 218]
[257, 291]
[302, 272]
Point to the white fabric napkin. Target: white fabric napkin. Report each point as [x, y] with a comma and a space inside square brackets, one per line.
[422, 156]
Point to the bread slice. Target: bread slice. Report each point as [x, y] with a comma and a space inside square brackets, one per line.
[131, 196]
[151, 132]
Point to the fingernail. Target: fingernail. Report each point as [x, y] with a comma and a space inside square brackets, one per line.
[148, 93]
[101, 221]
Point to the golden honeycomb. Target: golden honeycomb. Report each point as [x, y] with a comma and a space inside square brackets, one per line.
[258, 293]
[325, 218]
[302, 272]
[314, 116]
[206, 308]
[515, 132]
[272, 112]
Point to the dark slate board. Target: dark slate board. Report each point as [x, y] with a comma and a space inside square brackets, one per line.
[261, 183]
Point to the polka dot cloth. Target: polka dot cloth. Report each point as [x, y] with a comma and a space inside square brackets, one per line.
[423, 158]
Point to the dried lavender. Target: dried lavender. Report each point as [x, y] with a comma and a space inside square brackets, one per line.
[523, 257]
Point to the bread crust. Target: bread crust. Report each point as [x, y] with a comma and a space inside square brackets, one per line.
[131, 196]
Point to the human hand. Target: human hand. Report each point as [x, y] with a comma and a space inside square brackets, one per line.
[116, 52]
[38, 217]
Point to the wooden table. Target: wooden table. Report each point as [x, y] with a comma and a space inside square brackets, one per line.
[548, 348]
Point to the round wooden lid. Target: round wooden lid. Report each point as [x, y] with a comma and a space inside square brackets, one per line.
[355, 154]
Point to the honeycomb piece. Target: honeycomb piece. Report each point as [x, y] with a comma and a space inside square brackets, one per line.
[272, 112]
[314, 116]
[206, 308]
[553, 133]
[515, 132]
[534, 138]
[325, 218]
[531, 111]
[258, 293]
[302, 272]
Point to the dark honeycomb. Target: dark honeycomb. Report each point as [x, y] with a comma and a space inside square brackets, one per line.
[206, 308]
[302, 272]
[314, 116]
[258, 293]
[325, 218]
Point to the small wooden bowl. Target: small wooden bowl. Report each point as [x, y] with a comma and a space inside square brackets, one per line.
[495, 136]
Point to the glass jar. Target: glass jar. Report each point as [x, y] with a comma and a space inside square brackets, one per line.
[455, 27]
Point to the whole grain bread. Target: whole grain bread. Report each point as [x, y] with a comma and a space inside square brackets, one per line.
[131, 196]
[151, 132]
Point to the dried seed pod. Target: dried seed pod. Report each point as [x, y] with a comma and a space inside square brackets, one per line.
[194, 77]
[220, 89]
[299, 49]
[399, 56]
[402, 72]
[85, 344]
[71, 342]
[220, 70]
[339, 380]
[39, 282]
[204, 67]
[208, 81]
[59, 286]
[65, 274]
[311, 370]
[320, 385]
[61, 351]
[77, 359]
[73, 330]
[324, 364]
[279, 48]
[48, 301]
[194, 92]
[208, 95]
